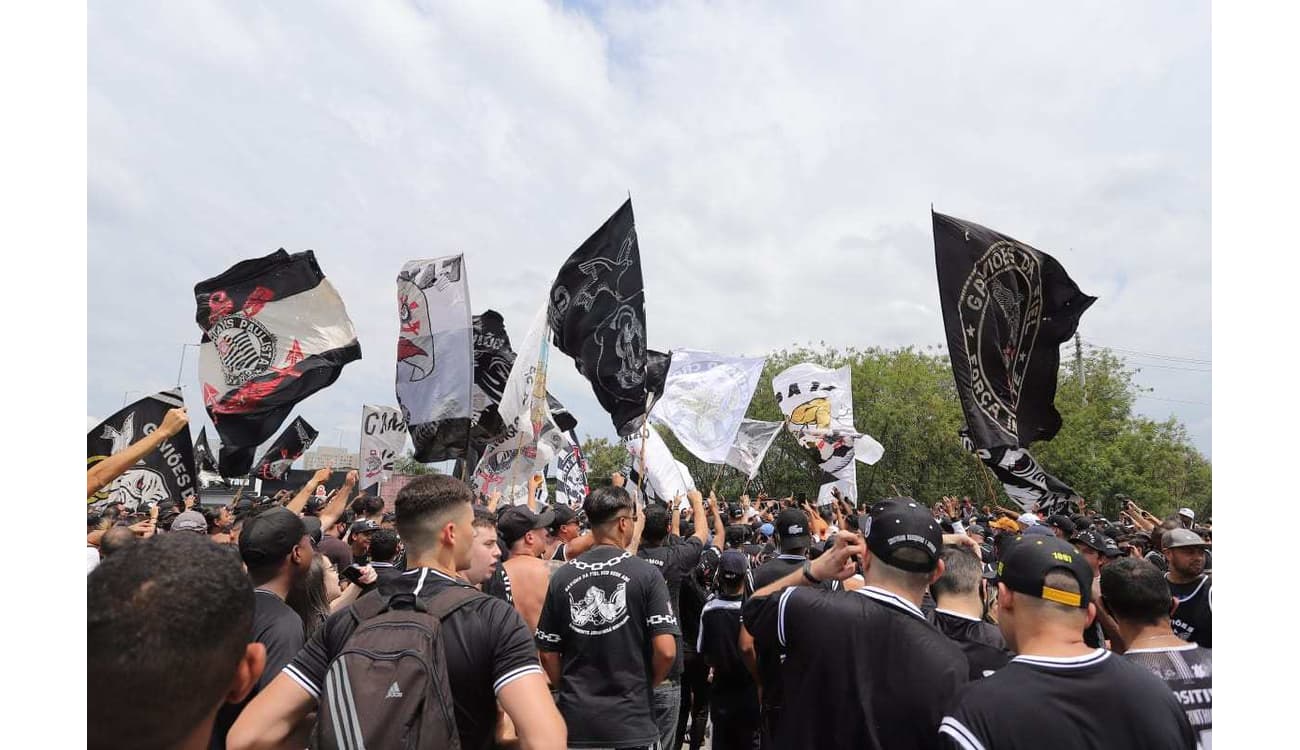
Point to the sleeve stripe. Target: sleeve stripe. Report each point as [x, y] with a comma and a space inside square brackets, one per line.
[780, 614]
[302, 681]
[959, 733]
[513, 675]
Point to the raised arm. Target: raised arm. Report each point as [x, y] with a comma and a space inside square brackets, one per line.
[675, 525]
[299, 500]
[334, 510]
[112, 467]
[701, 521]
[719, 530]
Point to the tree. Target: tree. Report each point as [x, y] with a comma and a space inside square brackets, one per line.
[603, 459]
[406, 464]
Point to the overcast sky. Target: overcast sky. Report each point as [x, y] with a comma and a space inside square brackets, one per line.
[781, 162]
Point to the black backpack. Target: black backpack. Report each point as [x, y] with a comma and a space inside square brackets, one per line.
[388, 687]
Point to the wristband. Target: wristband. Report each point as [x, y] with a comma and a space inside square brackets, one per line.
[807, 573]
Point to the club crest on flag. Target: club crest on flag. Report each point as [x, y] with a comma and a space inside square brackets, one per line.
[245, 348]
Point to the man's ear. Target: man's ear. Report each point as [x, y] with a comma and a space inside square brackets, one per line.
[937, 573]
[1006, 597]
[248, 671]
[1092, 614]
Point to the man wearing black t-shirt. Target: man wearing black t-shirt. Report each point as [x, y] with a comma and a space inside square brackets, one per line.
[1137, 596]
[384, 544]
[866, 660]
[1188, 583]
[277, 552]
[489, 654]
[607, 634]
[959, 613]
[734, 695]
[1059, 693]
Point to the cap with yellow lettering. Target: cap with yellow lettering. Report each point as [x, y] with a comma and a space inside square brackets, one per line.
[1026, 562]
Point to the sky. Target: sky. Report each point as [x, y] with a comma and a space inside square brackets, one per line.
[782, 164]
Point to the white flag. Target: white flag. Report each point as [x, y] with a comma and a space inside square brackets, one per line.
[665, 477]
[523, 399]
[508, 464]
[818, 407]
[753, 439]
[705, 399]
[383, 434]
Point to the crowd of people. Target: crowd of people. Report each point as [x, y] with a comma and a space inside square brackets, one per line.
[452, 620]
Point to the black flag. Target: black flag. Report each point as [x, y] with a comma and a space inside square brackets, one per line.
[165, 474]
[1025, 481]
[274, 332]
[203, 457]
[493, 359]
[1006, 308]
[597, 315]
[289, 447]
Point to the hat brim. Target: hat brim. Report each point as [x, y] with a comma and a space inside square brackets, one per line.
[1202, 544]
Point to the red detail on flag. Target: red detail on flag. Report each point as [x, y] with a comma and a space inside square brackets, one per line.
[209, 396]
[407, 349]
[219, 306]
[257, 299]
[294, 356]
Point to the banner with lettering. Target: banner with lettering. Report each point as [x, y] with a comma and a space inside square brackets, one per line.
[383, 434]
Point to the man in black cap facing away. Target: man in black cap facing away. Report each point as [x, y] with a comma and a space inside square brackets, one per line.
[734, 695]
[867, 657]
[525, 575]
[1059, 693]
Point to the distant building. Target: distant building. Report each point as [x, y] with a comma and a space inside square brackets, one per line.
[339, 458]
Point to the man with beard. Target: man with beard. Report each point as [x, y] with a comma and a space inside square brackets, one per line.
[1191, 620]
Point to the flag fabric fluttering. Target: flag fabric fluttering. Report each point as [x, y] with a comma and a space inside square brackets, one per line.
[493, 359]
[275, 331]
[597, 315]
[570, 473]
[1024, 480]
[383, 434]
[296, 439]
[705, 398]
[1007, 308]
[818, 407]
[508, 464]
[753, 439]
[204, 459]
[665, 477]
[435, 356]
[523, 405]
[167, 473]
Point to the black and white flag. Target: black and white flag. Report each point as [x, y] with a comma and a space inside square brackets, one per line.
[493, 359]
[597, 316]
[435, 356]
[204, 459]
[275, 331]
[1007, 308]
[383, 435]
[571, 473]
[1024, 480]
[287, 448]
[167, 473]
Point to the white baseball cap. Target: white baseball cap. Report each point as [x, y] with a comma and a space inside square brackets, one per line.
[1187, 512]
[1027, 519]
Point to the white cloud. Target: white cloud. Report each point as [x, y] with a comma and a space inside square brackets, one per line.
[782, 162]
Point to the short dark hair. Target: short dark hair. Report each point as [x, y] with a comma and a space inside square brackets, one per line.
[426, 501]
[374, 504]
[358, 505]
[1134, 590]
[137, 601]
[962, 572]
[482, 519]
[383, 545]
[115, 540]
[657, 520]
[604, 503]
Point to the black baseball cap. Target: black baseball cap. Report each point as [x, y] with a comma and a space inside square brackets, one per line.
[1097, 542]
[1063, 523]
[736, 512]
[733, 565]
[792, 529]
[1026, 561]
[563, 515]
[364, 526]
[518, 520]
[269, 537]
[312, 525]
[314, 505]
[900, 523]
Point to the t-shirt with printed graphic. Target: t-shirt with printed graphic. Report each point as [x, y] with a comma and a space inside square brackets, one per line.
[1193, 617]
[601, 613]
[486, 643]
[1187, 671]
[1097, 700]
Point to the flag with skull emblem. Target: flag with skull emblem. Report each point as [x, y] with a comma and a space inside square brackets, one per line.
[597, 315]
[287, 448]
[167, 473]
[1007, 308]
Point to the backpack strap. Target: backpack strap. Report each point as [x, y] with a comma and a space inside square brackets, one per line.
[368, 605]
[452, 599]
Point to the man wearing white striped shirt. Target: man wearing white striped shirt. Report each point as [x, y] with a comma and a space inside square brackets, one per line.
[489, 651]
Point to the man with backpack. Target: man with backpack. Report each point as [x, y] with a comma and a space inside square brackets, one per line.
[474, 650]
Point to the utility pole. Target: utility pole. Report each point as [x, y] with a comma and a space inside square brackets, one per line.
[1078, 366]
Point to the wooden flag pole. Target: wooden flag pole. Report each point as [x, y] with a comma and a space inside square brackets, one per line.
[716, 477]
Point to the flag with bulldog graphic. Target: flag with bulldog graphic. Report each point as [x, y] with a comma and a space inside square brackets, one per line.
[287, 448]
[275, 331]
[167, 473]
[818, 406]
[383, 435]
[1007, 308]
[597, 316]
[435, 356]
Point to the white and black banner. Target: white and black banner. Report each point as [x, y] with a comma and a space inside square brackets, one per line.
[1024, 480]
[570, 474]
[818, 406]
[167, 473]
[665, 476]
[296, 439]
[508, 464]
[435, 356]
[383, 435]
[705, 398]
[753, 439]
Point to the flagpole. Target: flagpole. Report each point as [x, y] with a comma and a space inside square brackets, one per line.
[716, 477]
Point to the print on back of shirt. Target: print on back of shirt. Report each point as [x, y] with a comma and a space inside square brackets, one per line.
[597, 609]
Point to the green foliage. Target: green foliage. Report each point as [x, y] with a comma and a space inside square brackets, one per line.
[406, 464]
[907, 400]
[603, 459]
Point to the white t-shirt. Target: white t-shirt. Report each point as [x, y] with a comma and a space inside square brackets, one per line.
[92, 559]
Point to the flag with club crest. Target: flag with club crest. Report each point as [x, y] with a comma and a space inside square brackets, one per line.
[383, 434]
[287, 448]
[570, 473]
[493, 359]
[167, 473]
[705, 398]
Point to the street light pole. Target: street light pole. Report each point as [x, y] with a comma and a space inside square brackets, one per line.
[181, 368]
